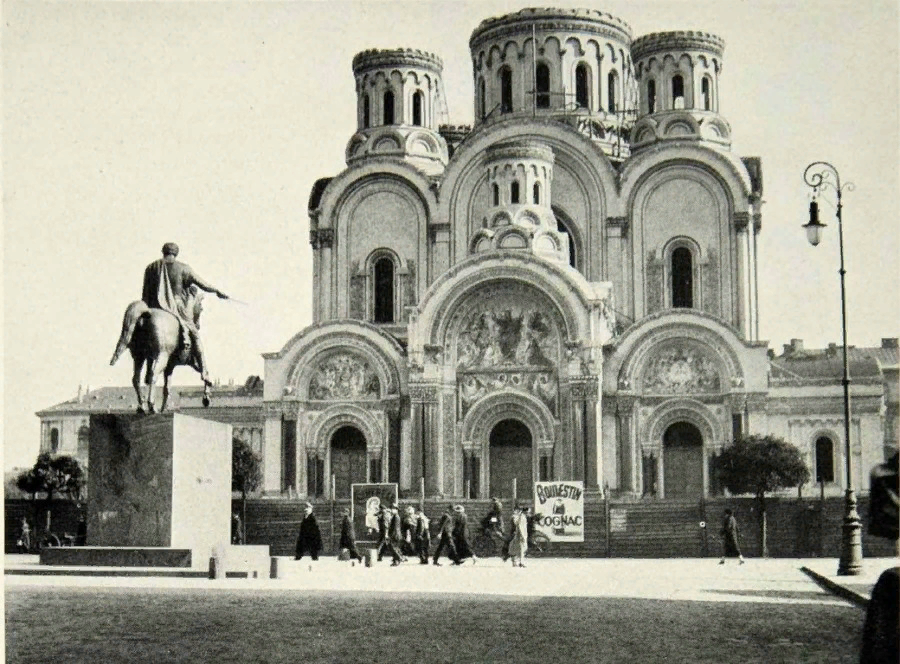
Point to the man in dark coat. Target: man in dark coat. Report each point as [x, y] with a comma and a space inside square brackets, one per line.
[348, 536]
[309, 540]
[422, 536]
[461, 536]
[730, 536]
[445, 536]
[396, 532]
[386, 535]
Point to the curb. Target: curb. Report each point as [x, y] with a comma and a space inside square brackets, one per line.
[837, 589]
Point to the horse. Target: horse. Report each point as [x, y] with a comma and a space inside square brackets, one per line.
[154, 338]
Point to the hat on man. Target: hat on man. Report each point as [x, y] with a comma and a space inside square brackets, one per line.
[170, 248]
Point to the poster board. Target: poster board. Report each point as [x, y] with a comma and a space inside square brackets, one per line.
[559, 510]
[365, 499]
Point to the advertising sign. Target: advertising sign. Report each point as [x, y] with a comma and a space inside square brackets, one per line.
[559, 510]
[365, 499]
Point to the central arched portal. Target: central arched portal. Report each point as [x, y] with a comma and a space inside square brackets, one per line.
[348, 459]
[683, 461]
[510, 457]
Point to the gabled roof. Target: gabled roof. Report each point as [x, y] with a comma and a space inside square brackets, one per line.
[826, 366]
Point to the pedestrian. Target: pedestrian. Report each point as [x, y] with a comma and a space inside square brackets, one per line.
[730, 536]
[408, 528]
[309, 539]
[461, 536]
[445, 537]
[348, 536]
[518, 543]
[237, 536]
[396, 534]
[24, 541]
[422, 536]
[385, 536]
[493, 520]
[81, 531]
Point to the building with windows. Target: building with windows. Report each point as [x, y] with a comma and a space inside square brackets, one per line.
[566, 289]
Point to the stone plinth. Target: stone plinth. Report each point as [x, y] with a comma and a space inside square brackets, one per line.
[159, 481]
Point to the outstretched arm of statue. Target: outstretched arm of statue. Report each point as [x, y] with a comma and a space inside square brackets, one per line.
[209, 288]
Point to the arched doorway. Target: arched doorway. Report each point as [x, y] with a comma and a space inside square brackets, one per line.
[510, 457]
[348, 459]
[683, 461]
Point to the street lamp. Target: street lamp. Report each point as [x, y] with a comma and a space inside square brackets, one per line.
[851, 541]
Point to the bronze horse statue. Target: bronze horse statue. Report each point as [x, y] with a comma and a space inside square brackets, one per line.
[155, 340]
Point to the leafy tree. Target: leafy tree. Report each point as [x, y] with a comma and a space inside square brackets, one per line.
[759, 465]
[27, 482]
[60, 475]
[246, 475]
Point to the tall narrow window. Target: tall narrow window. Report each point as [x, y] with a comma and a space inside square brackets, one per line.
[496, 192]
[651, 96]
[536, 190]
[582, 92]
[482, 102]
[54, 440]
[506, 102]
[704, 91]
[366, 110]
[542, 79]
[417, 103]
[612, 81]
[514, 192]
[677, 91]
[682, 278]
[824, 460]
[384, 290]
[388, 108]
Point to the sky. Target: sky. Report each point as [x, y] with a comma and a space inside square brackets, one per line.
[130, 124]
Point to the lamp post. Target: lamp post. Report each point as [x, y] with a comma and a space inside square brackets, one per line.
[851, 541]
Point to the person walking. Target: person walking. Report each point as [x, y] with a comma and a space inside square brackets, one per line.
[309, 539]
[422, 536]
[396, 534]
[461, 536]
[730, 536]
[445, 536]
[386, 537]
[408, 528]
[348, 536]
[24, 536]
[518, 543]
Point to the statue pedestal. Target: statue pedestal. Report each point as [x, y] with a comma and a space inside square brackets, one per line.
[160, 481]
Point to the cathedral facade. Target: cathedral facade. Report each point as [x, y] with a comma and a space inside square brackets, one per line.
[566, 290]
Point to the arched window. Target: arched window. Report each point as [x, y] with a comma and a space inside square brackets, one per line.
[514, 192]
[704, 91]
[367, 120]
[506, 100]
[417, 101]
[612, 82]
[682, 278]
[54, 440]
[537, 193]
[496, 193]
[677, 91]
[560, 226]
[824, 459]
[542, 79]
[651, 96]
[384, 290]
[482, 102]
[582, 92]
[388, 108]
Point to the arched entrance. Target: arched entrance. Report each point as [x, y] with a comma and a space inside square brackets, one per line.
[683, 461]
[510, 457]
[348, 459]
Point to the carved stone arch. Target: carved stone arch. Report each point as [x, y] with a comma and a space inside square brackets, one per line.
[328, 421]
[512, 238]
[509, 404]
[482, 240]
[683, 410]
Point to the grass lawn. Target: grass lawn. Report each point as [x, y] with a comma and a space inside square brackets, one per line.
[218, 625]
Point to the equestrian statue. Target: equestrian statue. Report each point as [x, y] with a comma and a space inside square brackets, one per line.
[162, 329]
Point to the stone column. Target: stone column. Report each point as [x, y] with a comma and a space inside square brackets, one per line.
[741, 222]
[616, 252]
[325, 239]
[271, 450]
[586, 419]
[630, 471]
[426, 457]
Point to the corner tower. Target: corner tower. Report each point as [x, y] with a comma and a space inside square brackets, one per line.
[678, 78]
[400, 98]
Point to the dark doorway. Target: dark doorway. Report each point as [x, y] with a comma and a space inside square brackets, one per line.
[510, 457]
[348, 459]
[683, 461]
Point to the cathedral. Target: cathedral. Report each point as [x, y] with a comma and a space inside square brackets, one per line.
[565, 290]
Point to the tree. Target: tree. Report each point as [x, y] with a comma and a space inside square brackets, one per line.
[759, 465]
[246, 475]
[60, 475]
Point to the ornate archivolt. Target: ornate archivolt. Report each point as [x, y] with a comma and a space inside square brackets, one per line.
[509, 404]
[655, 421]
[321, 426]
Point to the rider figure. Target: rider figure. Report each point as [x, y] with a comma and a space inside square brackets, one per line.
[172, 286]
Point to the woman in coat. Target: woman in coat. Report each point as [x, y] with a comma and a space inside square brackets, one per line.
[518, 545]
[461, 536]
[309, 539]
